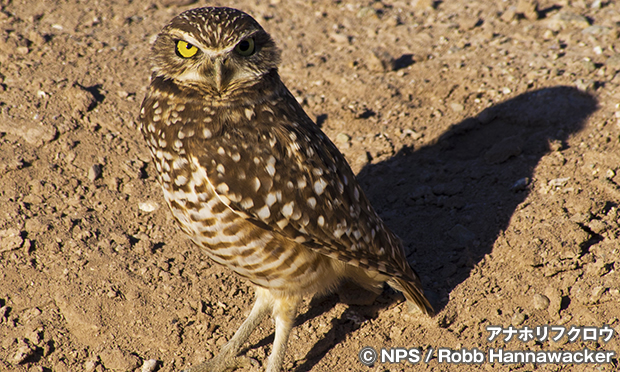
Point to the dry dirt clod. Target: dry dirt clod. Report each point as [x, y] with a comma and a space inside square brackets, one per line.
[94, 172]
[540, 302]
[24, 351]
[117, 359]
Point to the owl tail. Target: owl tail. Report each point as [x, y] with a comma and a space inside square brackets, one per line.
[414, 294]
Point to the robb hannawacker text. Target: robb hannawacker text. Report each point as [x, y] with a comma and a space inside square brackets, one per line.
[586, 356]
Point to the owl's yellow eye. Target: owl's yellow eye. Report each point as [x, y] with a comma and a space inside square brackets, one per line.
[245, 47]
[185, 49]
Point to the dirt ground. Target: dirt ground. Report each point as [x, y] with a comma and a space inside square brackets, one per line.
[485, 133]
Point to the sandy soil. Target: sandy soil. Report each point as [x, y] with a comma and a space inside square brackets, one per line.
[486, 134]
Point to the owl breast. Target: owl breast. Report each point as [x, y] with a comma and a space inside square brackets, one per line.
[257, 253]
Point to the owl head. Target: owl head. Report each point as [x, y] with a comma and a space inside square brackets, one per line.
[218, 50]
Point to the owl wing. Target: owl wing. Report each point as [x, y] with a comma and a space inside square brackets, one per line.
[285, 175]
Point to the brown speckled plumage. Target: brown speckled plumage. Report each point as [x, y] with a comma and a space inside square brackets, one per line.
[252, 180]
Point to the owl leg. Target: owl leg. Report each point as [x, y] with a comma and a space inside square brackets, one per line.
[227, 359]
[284, 312]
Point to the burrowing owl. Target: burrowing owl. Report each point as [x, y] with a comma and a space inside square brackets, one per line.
[254, 181]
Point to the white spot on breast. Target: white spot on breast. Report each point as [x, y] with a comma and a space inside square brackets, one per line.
[289, 184]
[186, 133]
[178, 163]
[178, 144]
[270, 199]
[271, 170]
[162, 142]
[338, 233]
[256, 184]
[206, 133]
[301, 183]
[156, 117]
[287, 209]
[319, 186]
[249, 113]
[321, 221]
[357, 234]
[235, 157]
[180, 180]
[264, 213]
[180, 107]
[221, 151]
[311, 202]
[282, 223]
[158, 110]
[220, 168]
[317, 171]
[181, 135]
[247, 203]
[222, 188]
[155, 105]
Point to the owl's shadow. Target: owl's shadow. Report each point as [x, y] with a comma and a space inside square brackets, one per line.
[450, 200]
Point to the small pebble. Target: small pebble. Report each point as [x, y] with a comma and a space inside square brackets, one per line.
[518, 318]
[558, 182]
[456, 107]
[521, 184]
[94, 172]
[343, 138]
[148, 206]
[541, 302]
[149, 365]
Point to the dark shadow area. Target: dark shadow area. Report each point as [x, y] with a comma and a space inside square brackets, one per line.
[450, 200]
[320, 120]
[96, 91]
[403, 61]
[544, 12]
